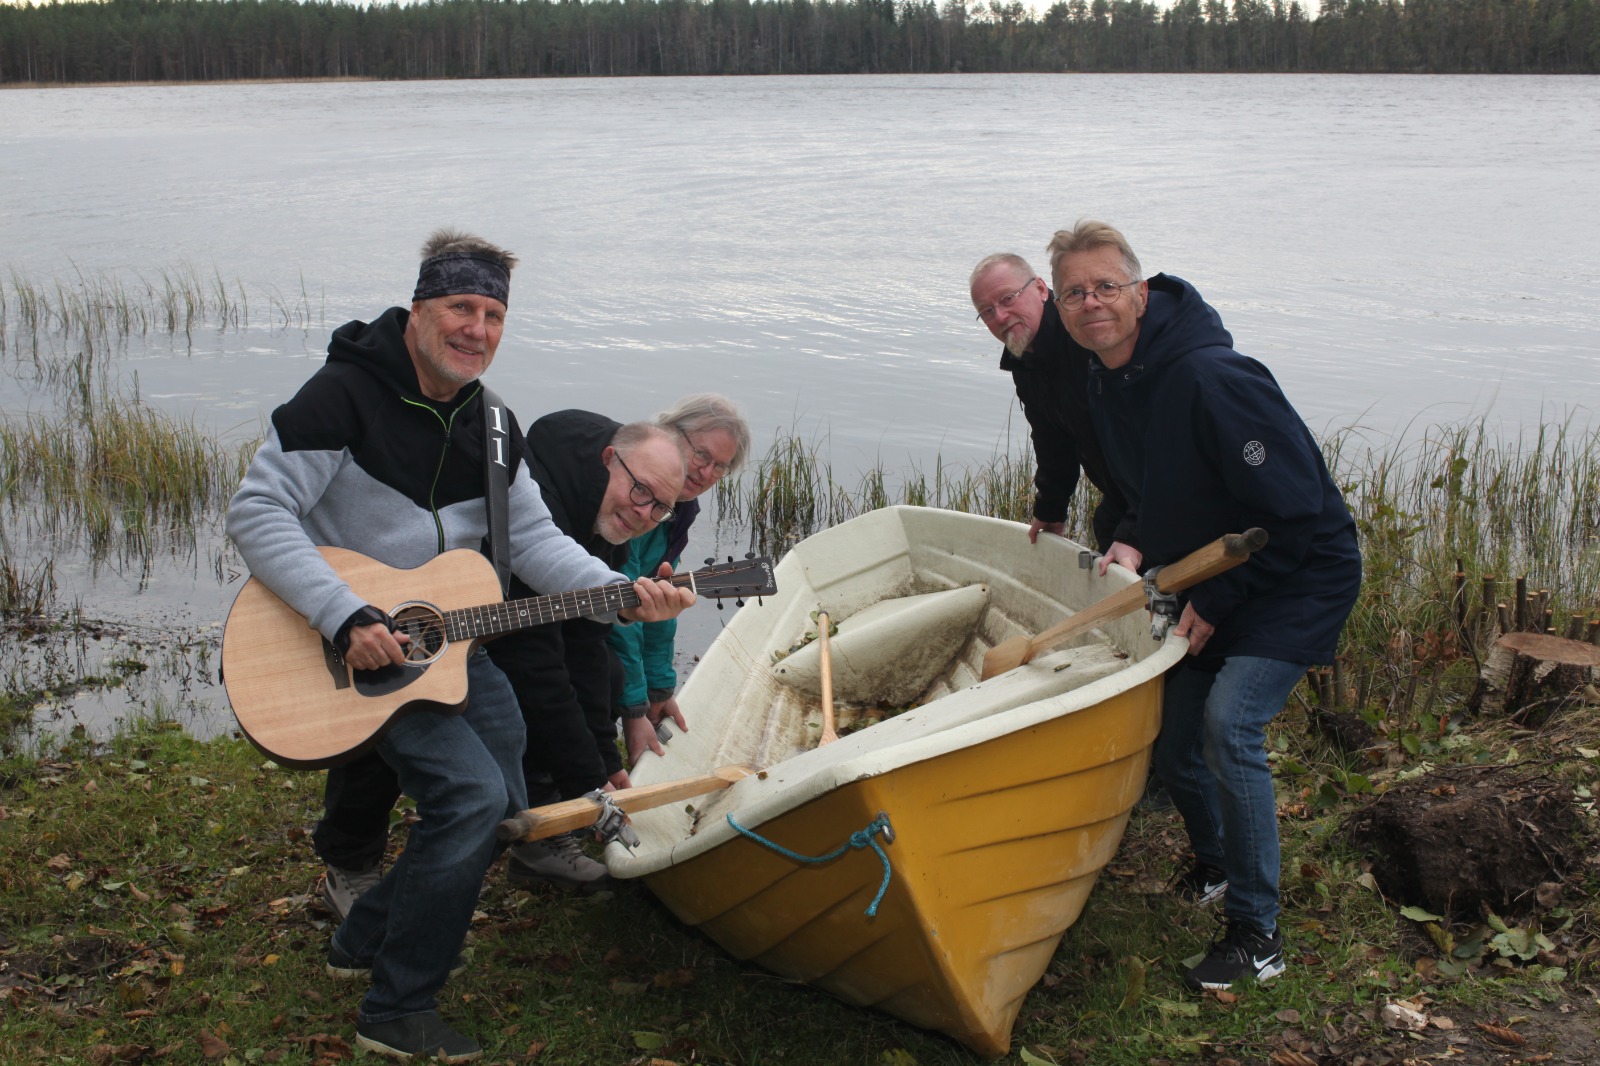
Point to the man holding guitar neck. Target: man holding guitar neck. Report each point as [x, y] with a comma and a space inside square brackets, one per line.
[383, 451]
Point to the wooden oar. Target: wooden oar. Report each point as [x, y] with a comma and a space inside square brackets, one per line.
[828, 734]
[1224, 553]
[551, 819]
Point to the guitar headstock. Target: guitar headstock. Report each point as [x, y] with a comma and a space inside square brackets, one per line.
[738, 579]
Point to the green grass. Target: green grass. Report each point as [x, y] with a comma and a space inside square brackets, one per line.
[159, 889]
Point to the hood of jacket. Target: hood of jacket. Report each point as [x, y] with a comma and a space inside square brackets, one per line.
[566, 448]
[1176, 321]
[379, 348]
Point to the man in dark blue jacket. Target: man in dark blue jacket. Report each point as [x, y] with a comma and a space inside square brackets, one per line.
[1202, 442]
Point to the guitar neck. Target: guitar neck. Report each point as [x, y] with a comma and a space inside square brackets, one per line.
[508, 616]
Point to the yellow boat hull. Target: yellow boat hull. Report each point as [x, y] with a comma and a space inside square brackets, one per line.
[1006, 797]
[986, 877]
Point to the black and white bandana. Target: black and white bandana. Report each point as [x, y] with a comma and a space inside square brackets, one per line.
[454, 273]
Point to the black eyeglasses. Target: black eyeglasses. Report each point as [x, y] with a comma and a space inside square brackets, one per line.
[641, 495]
[1107, 292]
[1005, 302]
[703, 458]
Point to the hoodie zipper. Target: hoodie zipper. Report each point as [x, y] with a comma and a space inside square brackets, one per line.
[433, 488]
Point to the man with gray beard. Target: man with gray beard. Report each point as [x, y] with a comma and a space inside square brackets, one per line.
[605, 484]
[1051, 373]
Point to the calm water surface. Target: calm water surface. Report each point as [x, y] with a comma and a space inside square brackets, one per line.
[1398, 249]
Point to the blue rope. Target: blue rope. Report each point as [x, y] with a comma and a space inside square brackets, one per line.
[862, 838]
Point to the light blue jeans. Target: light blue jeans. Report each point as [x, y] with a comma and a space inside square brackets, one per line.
[1212, 757]
[465, 774]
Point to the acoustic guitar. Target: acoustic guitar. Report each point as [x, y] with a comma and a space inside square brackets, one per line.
[297, 699]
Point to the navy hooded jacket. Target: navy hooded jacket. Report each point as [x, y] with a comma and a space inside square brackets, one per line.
[1203, 442]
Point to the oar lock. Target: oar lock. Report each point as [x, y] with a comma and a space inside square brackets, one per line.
[613, 822]
[1163, 605]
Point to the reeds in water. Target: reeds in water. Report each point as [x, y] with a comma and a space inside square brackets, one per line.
[91, 311]
[791, 492]
[116, 476]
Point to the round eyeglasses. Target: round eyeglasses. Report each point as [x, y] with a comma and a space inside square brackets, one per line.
[641, 495]
[1107, 292]
[703, 458]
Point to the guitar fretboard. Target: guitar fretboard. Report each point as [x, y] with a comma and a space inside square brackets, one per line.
[508, 616]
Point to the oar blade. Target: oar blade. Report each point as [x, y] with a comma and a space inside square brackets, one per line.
[1007, 655]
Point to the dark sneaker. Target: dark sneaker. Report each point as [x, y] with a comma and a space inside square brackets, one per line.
[1200, 884]
[1243, 951]
[341, 888]
[559, 861]
[342, 967]
[422, 1036]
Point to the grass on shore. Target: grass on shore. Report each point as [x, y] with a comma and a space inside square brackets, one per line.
[155, 893]
[157, 904]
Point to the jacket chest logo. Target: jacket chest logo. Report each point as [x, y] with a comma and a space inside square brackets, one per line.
[1255, 453]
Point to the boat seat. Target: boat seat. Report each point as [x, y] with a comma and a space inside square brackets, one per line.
[893, 651]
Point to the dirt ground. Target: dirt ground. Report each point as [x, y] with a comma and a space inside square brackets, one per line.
[1463, 839]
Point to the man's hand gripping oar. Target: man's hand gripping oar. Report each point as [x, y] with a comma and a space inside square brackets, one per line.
[1222, 554]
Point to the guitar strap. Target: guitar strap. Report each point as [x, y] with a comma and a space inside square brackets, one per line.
[496, 484]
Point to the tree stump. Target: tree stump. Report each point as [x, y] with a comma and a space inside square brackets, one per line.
[1530, 677]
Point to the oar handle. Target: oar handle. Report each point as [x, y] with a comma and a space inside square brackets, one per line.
[1224, 553]
[537, 823]
[829, 734]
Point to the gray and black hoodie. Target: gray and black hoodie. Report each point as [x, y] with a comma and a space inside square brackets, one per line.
[360, 459]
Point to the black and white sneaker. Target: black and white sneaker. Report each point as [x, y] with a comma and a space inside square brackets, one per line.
[417, 1036]
[1200, 884]
[1242, 951]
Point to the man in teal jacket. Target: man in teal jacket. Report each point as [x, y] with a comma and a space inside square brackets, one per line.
[715, 440]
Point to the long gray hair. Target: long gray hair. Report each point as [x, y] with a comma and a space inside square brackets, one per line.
[703, 412]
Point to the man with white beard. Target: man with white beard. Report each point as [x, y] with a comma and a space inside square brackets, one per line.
[1051, 374]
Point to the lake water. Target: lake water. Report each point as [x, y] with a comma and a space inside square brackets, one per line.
[1400, 250]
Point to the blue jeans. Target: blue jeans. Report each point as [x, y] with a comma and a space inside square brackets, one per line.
[1211, 755]
[465, 774]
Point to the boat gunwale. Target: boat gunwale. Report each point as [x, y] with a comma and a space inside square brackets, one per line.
[769, 799]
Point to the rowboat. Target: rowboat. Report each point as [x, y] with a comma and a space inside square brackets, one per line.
[1003, 798]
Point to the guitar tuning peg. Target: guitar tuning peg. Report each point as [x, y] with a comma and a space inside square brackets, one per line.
[711, 560]
[758, 601]
[749, 555]
[719, 603]
[739, 602]
[730, 558]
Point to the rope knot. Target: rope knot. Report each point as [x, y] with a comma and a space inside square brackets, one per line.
[865, 837]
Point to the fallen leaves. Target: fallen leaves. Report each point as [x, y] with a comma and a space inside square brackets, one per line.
[213, 1047]
[1501, 1034]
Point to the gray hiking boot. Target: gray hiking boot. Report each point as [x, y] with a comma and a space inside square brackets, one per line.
[559, 861]
[341, 888]
[417, 1036]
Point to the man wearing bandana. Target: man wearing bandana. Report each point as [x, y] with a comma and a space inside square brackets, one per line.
[381, 451]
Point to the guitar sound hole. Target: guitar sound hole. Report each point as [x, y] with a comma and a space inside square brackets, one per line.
[425, 627]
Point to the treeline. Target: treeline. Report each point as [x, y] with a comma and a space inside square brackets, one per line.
[197, 40]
